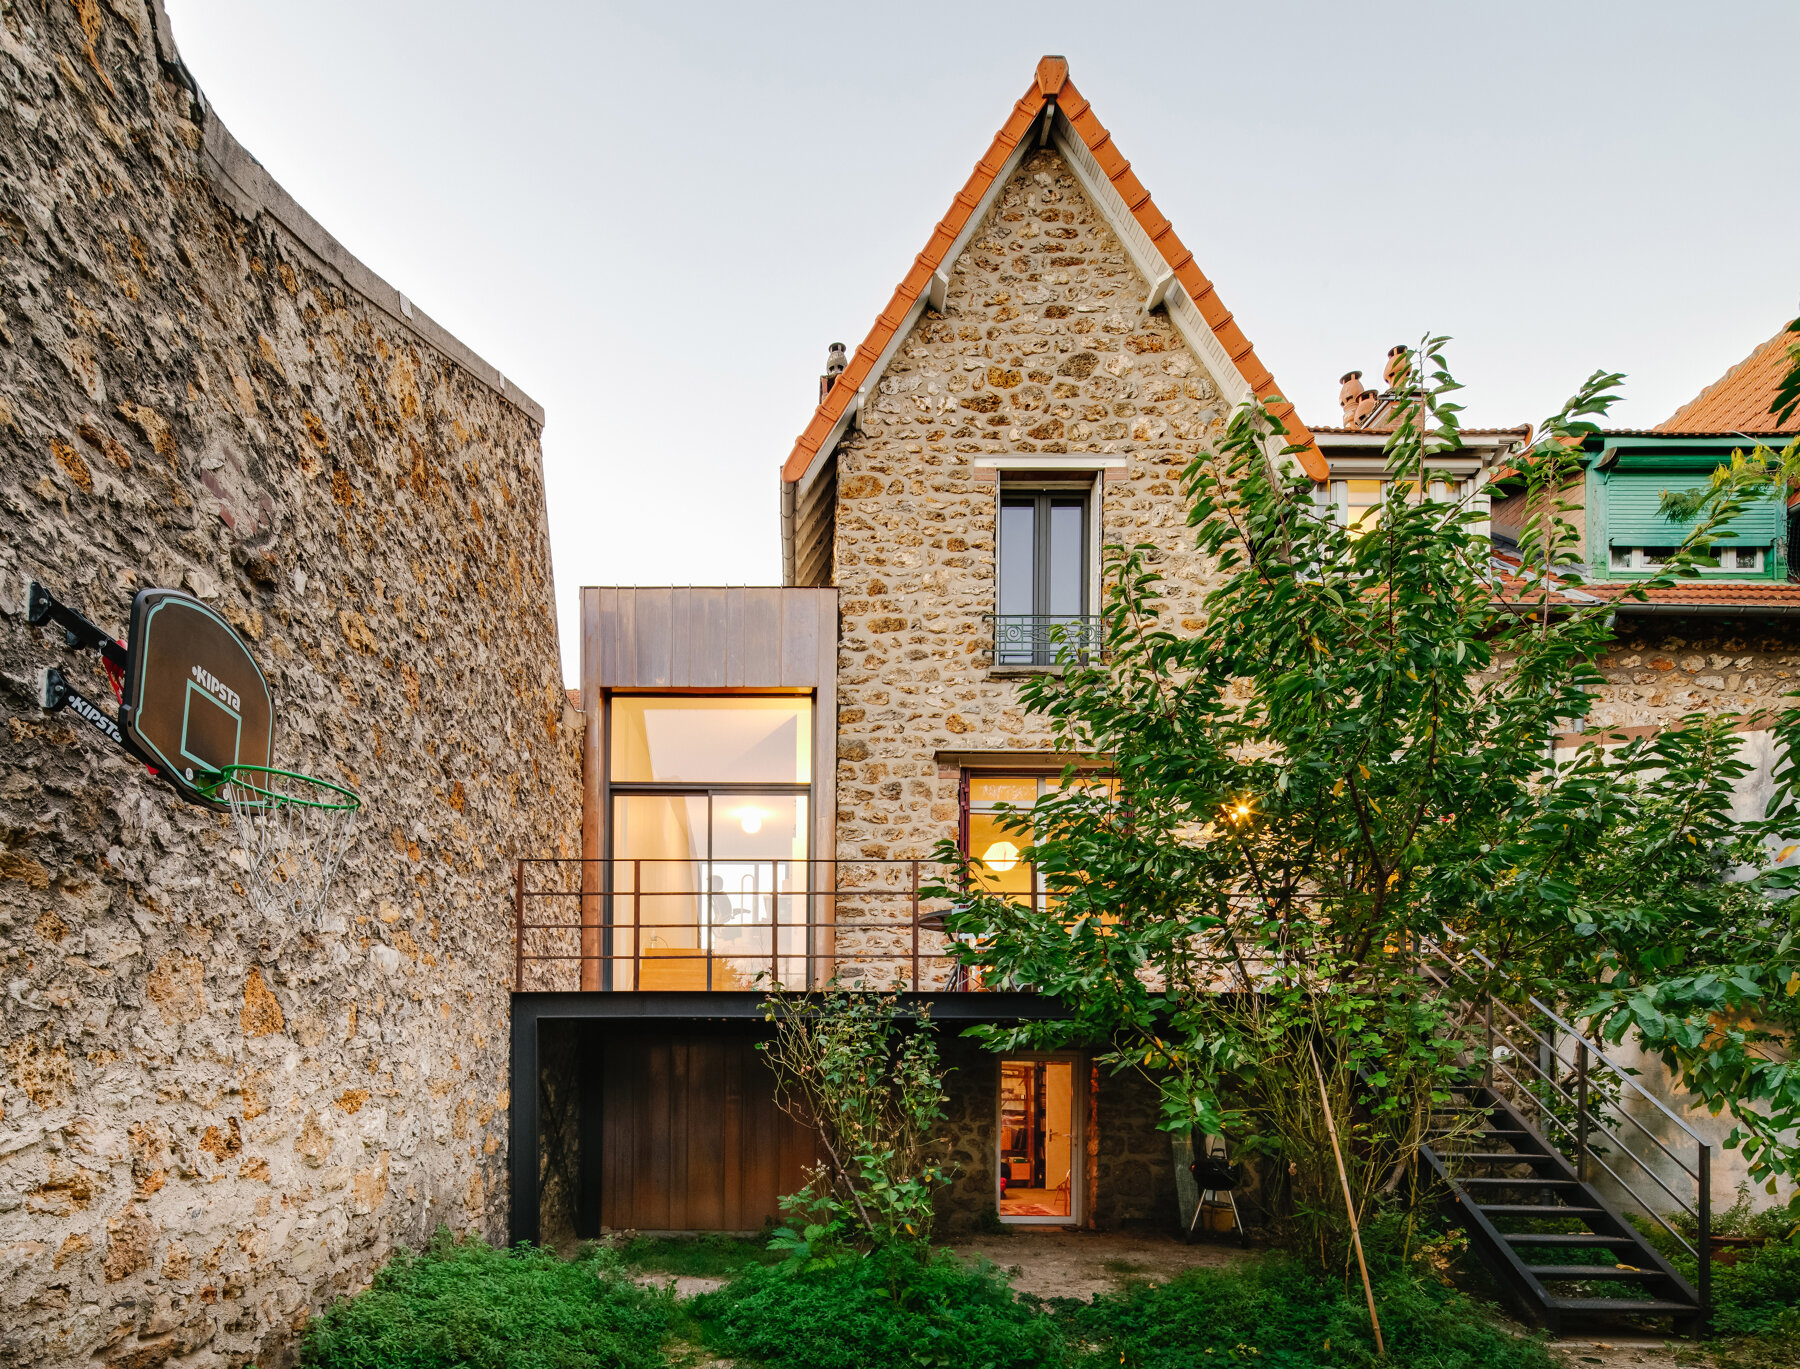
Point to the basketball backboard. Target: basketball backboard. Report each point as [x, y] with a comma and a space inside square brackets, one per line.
[194, 699]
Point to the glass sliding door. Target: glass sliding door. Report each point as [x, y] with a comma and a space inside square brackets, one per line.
[709, 840]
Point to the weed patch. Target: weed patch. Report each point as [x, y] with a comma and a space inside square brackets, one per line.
[1282, 1315]
[464, 1303]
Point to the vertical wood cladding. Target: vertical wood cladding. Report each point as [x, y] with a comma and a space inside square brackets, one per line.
[692, 1139]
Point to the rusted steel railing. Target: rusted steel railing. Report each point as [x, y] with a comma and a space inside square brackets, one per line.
[635, 924]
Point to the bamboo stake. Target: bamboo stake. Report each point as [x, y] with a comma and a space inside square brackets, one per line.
[1349, 1203]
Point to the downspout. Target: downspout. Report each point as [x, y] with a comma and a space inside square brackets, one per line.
[789, 493]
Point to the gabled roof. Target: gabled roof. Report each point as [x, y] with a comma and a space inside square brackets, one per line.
[1055, 111]
[1738, 402]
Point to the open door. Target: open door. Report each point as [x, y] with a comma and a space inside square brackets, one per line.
[1040, 1145]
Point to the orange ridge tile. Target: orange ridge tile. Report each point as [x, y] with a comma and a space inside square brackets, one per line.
[1051, 85]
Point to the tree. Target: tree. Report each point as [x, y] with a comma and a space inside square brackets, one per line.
[866, 1079]
[1355, 754]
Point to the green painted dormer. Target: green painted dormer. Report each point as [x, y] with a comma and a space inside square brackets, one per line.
[1627, 538]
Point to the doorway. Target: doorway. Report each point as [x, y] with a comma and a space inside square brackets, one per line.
[1040, 1143]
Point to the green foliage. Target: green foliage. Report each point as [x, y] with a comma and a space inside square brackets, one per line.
[464, 1303]
[1787, 390]
[707, 1257]
[865, 1077]
[1279, 1314]
[886, 1308]
[1357, 752]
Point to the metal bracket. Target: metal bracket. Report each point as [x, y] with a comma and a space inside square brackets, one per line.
[55, 693]
[41, 607]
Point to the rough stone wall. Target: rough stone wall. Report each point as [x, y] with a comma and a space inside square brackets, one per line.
[1040, 349]
[1136, 1182]
[211, 1124]
[1659, 670]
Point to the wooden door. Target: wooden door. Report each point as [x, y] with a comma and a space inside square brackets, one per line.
[692, 1139]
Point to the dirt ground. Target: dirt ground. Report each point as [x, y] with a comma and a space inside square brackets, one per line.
[1078, 1264]
[1625, 1352]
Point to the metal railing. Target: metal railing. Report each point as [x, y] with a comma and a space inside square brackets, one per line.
[1576, 1096]
[631, 924]
[1045, 638]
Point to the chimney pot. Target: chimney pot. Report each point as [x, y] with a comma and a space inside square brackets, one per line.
[836, 359]
[1396, 362]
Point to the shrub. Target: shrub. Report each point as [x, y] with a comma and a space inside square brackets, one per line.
[882, 1309]
[464, 1303]
[1280, 1314]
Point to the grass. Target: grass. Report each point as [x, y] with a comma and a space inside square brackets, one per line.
[885, 1310]
[706, 1257]
[1281, 1314]
[463, 1303]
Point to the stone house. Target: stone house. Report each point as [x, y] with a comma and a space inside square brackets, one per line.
[1046, 368]
[769, 771]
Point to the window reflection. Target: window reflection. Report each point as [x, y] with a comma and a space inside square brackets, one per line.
[711, 740]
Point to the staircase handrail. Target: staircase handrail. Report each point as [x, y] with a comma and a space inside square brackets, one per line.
[1579, 1037]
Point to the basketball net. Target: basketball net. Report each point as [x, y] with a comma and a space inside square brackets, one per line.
[292, 830]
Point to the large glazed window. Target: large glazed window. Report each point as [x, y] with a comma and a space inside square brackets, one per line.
[995, 848]
[736, 739]
[708, 880]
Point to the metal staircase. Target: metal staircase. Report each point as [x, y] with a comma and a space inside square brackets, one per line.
[1524, 1151]
[1528, 1214]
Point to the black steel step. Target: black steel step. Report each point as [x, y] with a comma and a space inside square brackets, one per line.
[1592, 1271]
[1644, 1305]
[1579, 1238]
[1533, 1181]
[1535, 1210]
[1488, 1157]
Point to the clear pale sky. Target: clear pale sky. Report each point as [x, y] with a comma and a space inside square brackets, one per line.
[655, 218]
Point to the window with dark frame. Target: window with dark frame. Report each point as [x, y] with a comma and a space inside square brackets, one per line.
[1041, 591]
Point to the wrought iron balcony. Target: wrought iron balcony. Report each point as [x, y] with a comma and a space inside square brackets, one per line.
[1045, 639]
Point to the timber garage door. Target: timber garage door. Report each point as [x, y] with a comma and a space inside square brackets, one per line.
[692, 1139]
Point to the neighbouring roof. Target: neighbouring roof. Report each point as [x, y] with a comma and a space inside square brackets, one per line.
[1704, 597]
[1738, 402]
[1322, 430]
[1050, 94]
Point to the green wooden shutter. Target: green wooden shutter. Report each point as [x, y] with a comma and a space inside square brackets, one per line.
[1632, 498]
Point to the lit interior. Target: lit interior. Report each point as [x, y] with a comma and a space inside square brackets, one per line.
[1037, 1139]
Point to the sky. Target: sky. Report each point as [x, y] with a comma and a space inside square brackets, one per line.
[655, 218]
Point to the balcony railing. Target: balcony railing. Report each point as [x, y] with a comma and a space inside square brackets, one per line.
[626, 925]
[1042, 639]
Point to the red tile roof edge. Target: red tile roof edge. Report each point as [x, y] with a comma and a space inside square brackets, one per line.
[1739, 400]
[1051, 85]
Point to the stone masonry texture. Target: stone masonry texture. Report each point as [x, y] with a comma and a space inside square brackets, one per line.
[213, 1123]
[1040, 349]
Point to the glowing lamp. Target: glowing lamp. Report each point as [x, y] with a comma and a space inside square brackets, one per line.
[750, 819]
[1001, 857]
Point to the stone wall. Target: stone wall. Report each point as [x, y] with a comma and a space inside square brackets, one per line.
[1040, 349]
[211, 1124]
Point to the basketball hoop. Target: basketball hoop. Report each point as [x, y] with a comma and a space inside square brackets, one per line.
[292, 829]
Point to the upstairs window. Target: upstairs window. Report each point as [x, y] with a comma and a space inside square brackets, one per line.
[1732, 560]
[1043, 573]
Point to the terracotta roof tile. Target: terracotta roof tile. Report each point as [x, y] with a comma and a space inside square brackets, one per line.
[1050, 84]
[1747, 594]
[1738, 402]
